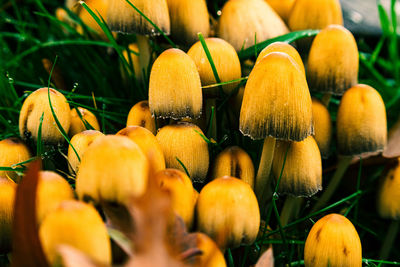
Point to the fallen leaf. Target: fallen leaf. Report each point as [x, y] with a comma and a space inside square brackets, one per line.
[266, 259]
[71, 257]
[392, 149]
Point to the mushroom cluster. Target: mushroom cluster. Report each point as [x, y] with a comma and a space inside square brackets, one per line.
[186, 137]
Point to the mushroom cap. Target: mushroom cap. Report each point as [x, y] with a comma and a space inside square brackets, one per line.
[181, 191]
[322, 126]
[361, 122]
[36, 104]
[100, 6]
[225, 59]
[333, 241]
[175, 88]
[234, 161]
[77, 124]
[388, 200]
[80, 142]
[122, 17]
[12, 151]
[140, 115]
[78, 225]
[242, 21]
[314, 14]
[284, 48]
[183, 141]
[135, 59]
[332, 64]
[228, 212]
[113, 169]
[302, 174]
[7, 196]
[276, 100]
[188, 18]
[51, 191]
[148, 144]
[282, 7]
[211, 255]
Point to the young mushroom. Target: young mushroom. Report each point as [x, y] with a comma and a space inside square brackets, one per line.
[282, 7]
[184, 142]
[7, 196]
[36, 105]
[140, 115]
[361, 128]
[322, 126]
[211, 255]
[78, 225]
[228, 212]
[84, 120]
[333, 241]
[234, 161]
[12, 151]
[175, 88]
[245, 22]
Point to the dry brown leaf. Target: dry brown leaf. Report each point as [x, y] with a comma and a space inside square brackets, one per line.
[392, 149]
[266, 259]
[71, 257]
[27, 249]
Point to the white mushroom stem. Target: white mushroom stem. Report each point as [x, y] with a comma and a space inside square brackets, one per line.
[144, 53]
[290, 209]
[389, 239]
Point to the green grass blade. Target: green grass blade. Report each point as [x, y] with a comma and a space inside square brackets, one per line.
[183, 166]
[39, 143]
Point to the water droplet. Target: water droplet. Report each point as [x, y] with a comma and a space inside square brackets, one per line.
[275, 196]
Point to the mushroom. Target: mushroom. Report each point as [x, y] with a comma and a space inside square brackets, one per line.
[131, 55]
[51, 191]
[322, 126]
[140, 115]
[112, 169]
[36, 105]
[175, 88]
[234, 161]
[333, 241]
[12, 151]
[243, 22]
[148, 144]
[211, 255]
[388, 205]
[181, 190]
[78, 225]
[99, 7]
[7, 196]
[85, 120]
[332, 65]
[80, 142]
[282, 7]
[361, 128]
[188, 18]
[184, 142]
[228, 212]
[276, 105]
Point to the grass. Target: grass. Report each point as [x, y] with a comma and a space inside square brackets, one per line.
[91, 68]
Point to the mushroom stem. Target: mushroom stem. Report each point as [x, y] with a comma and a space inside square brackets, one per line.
[343, 164]
[389, 239]
[290, 209]
[262, 183]
[144, 53]
[326, 98]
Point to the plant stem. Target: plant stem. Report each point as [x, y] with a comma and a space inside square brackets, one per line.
[144, 54]
[290, 209]
[389, 239]
[262, 183]
[211, 117]
[326, 98]
[343, 164]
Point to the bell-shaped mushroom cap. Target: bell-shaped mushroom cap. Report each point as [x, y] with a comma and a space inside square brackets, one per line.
[225, 59]
[37, 104]
[234, 161]
[183, 141]
[12, 151]
[282, 7]
[175, 87]
[314, 14]
[122, 17]
[333, 61]
[227, 211]
[302, 174]
[100, 6]
[7, 196]
[148, 144]
[361, 121]
[78, 225]
[388, 200]
[113, 169]
[284, 48]
[188, 18]
[140, 115]
[276, 100]
[333, 241]
[80, 142]
[322, 126]
[77, 124]
[211, 255]
[243, 21]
